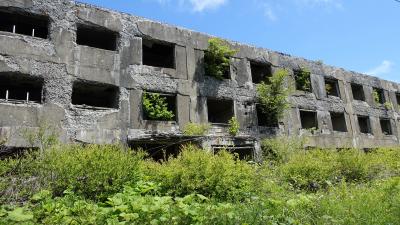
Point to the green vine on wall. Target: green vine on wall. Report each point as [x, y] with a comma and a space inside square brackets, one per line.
[217, 58]
[273, 96]
[155, 107]
[303, 79]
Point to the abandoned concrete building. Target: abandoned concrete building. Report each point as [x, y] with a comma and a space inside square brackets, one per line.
[84, 69]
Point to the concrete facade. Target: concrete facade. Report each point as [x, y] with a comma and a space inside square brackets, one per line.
[60, 61]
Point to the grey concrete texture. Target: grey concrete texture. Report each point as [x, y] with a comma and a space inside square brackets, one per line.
[61, 62]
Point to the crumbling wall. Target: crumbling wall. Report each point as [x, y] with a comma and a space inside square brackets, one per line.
[130, 65]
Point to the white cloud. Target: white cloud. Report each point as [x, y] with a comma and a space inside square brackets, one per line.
[273, 8]
[201, 5]
[196, 5]
[384, 68]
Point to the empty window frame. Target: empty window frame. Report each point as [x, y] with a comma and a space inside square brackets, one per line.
[364, 124]
[96, 37]
[379, 95]
[158, 54]
[398, 99]
[260, 72]
[159, 152]
[308, 119]
[163, 98]
[265, 120]
[332, 87]
[220, 110]
[358, 92]
[338, 122]
[243, 152]
[20, 88]
[303, 80]
[95, 95]
[24, 23]
[386, 126]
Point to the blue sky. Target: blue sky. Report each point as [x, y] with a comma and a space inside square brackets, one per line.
[359, 35]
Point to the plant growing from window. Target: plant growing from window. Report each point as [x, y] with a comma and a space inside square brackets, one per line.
[233, 126]
[217, 58]
[195, 129]
[156, 107]
[303, 79]
[388, 105]
[376, 97]
[329, 89]
[273, 96]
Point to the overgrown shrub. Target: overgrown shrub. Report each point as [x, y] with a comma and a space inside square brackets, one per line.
[196, 171]
[194, 129]
[311, 170]
[273, 96]
[93, 172]
[303, 79]
[279, 150]
[217, 58]
[156, 107]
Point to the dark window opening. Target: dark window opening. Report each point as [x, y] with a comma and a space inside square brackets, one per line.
[364, 124]
[220, 111]
[21, 88]
[386, 127]
[26, 24]
[398, 98]
[338, 122]
[308, 120]
[303, 80]
[266, 119]
[158, 54]
[358, 92]
[170, 100]
[243, 152]
[379, 95]
[96, 37]
[332, 87]
[158, 152]
[95, 95]
[260, 72]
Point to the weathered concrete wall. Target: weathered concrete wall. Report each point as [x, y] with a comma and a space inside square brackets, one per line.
[61, 62]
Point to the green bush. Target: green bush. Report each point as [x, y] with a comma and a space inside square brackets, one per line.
[303, 79]
[93, 171]
[311, 170]
[273, 97]
[156, 107]
[279, 150]
[217, 58]
[196, 171]
[234, 126]
[194, 129]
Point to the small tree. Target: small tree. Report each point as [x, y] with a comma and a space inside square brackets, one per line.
[273, 96]
[217, 58]
[156, 107]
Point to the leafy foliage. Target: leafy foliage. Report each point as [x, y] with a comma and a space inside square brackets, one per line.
[273, 96]
[376, 96]
[198, 187]
[194, 129]
[196, 171]
[234, 126]
[156, 107]
[217, 58]
[303, 79]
